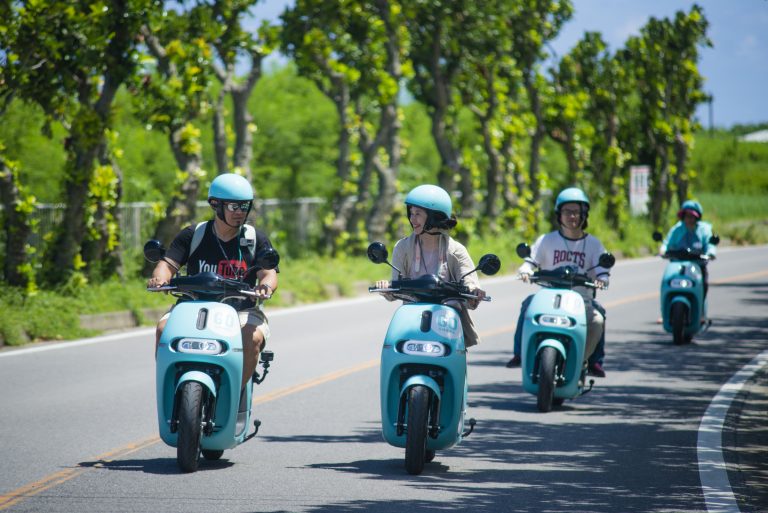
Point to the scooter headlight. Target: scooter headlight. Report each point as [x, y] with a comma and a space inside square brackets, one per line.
[555, 321]
[423, 348]
[680, 283]
[199, 346]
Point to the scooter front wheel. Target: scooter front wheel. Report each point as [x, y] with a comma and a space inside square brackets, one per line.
[547, 365]
[678, 317]
[190, 426]
[416, 435]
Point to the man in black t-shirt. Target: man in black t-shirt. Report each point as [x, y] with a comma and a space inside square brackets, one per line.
[225, 246]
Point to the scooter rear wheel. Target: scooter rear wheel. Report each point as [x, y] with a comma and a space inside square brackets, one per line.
[416, 435]
[547, 365]
[678, 317]
[190, 426]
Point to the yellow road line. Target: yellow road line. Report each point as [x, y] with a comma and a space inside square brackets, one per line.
[13, 497]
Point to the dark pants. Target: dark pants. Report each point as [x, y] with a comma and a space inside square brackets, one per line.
[597, 356]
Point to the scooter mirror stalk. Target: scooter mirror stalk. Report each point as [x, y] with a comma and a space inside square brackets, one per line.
[377, 253]
[154, 251]
[489, 264]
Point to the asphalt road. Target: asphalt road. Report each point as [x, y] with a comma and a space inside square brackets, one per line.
[79, 428]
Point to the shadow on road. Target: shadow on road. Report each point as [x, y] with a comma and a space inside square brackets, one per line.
[648, 464]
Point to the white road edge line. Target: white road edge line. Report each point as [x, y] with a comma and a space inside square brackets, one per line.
[713, 474]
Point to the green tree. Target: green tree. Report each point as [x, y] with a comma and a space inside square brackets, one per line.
[353, 51]
[437, 55]
[233, 43]
[533, 24]
[172, 93]
[71, 59]
[663, 60]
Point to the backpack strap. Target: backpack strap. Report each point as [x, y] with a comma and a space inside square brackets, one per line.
[197, 237]
[247, 238]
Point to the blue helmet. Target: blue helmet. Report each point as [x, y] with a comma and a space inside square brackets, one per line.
[230, 186]
[430, 197]
[573, 195]
[436, 201]
[570, 195]
[692, 206]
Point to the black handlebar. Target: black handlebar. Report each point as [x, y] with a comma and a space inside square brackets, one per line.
[428, 289]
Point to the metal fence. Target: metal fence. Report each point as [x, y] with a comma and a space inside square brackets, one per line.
[293, 225]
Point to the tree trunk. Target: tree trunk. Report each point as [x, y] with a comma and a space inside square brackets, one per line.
[681, 159]
[182, 208]
[105, 261]
[16, 226]
[537, 137]
[342, 203]
[220, 134]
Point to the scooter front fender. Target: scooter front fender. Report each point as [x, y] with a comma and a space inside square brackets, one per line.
[551, 342]
[201, 377]
[420, 380]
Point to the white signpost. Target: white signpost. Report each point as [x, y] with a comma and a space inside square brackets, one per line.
[638, 189]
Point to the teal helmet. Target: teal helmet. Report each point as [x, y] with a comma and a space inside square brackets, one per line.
[573, 195]
[692, 206]
[436, 201]
[230, 187]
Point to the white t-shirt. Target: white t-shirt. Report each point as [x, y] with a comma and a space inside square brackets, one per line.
[553, 250]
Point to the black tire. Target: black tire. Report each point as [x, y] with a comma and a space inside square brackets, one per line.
[190, 426]
[558, 401]
[416, 435]
[678, 318]
[212, 455]
[547, 365]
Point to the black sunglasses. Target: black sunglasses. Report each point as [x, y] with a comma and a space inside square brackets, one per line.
[232, 207]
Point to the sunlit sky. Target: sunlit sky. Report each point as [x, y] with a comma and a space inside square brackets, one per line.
[735, 68]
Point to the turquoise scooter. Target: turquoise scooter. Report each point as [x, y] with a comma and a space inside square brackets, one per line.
[424, 364]
[555, 334]
[683, 306]
[199, 365]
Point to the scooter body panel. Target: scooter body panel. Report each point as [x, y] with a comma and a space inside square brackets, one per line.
[545, 325]
[445, 376]
[683, 282]
[220, 374]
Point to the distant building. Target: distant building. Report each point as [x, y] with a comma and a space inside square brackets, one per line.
[759, 136]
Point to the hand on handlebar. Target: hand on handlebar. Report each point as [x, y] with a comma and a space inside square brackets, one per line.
[525, 277]
[472, 303]
[263, 291]
[155, 282]
[600, 284]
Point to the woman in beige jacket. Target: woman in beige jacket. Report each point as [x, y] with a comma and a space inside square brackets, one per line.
[431, 250]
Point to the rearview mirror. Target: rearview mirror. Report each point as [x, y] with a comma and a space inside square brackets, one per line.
[523, 250]
[268, 258]
[715, 240]
[607, 260]
[656, 236]
[154, 251]
[489, 264]
[377, 253]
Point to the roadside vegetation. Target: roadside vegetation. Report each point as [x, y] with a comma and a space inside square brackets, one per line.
[375, 98]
